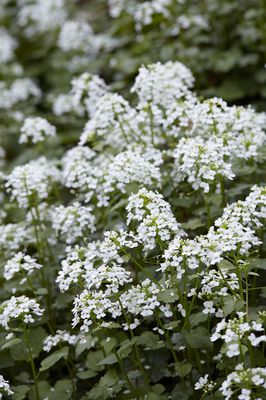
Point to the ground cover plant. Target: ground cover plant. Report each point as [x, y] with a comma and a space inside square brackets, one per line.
[132, 228]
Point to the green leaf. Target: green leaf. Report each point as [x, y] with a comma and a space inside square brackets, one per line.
[85, 344]
[109, 379]
[11, 343]
[168, 296]
[193, 224]
[41, 292]
[225, 265]
[197, 318]
[183, 369]
[109, 344]
[257, 263]
[148, 339]
[125, 348]
[108, 360]
[20, 392]
[231, 304]
[86, 374]
[54, 358]
[198, 338]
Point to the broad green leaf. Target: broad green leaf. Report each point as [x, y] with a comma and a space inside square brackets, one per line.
[11, 343]
[108, 360]
[20, 392]
[54, 358]
[183, 369]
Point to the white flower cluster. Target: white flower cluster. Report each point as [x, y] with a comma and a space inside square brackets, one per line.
[13, 237]
[41, 16]
[201, 162]
[162, 84]
[4, 388]
[36, 129]
[111, 121]
[235, 331]
[87, 90]
[32, 181]
[242, 130]
[76, 34]
[20, 90]
[96, 264]
[132, 166]
[73, 222]
[7, 47]
[141, 299]
[243, 382]
[20, 263]
[93, 305]
[156, 222]
[230, 233]
[22, 308]
[249, 212]
[204, 384]
[145, 11]
[60, 336]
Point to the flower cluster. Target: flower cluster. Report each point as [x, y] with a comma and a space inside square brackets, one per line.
[59, 337]
[20, 263]
[22, 308]
[36, 129]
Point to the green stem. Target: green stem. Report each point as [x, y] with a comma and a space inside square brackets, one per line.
[34, 375]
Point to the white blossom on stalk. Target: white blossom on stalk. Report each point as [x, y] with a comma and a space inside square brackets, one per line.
[155, 219]
[73, 222]
[41, 16]
[20, 263]
[97, 264]
[163, 83]
[111, 122]
[64, 103]
[234, 331]
[59, 337]
[7, 47]
[87, 90]
[141, 299]
[244, 383]
[93, 305]
[201, 162]
[204, 384]
[20, 90]
[32, 180]
[76, 35]
[22, 307]
[36, 129]
[4, 388]
[144, 12]
[250, 212]
[132, 166]
[14, 236]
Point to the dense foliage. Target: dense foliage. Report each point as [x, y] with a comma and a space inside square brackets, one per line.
[132, 207]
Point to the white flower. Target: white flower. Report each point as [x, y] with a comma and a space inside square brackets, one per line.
[4, 387]
[87, 90]
[33, 179]
[76, 35]
[60, 336]
[156, 221]
[36, 129]
[20, 263]
[204, 384]
[73, 222]
[41, 17]
[7, 47]
[163, 83]
[21, 308]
